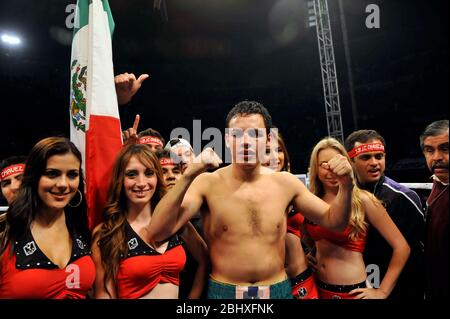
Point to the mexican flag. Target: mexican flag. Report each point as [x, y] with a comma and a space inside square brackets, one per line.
[94, 114]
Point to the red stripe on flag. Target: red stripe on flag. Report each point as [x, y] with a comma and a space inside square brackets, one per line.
[103, 143]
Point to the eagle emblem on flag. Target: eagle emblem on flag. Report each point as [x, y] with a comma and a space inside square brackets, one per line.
[78, 101]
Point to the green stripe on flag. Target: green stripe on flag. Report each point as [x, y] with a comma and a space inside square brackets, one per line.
[82, 15]
[110, 17]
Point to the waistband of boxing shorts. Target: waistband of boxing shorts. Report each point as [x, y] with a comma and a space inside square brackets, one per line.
[279, 290]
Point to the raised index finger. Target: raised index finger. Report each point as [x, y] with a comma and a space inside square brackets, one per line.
[136, 122]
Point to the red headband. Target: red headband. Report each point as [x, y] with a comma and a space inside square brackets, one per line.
[167, 162]
[12, 170]
[366, 148]
[150, 140]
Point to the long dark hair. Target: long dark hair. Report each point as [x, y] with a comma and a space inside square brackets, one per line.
[287, 162]
[111, 235]
[24, 208]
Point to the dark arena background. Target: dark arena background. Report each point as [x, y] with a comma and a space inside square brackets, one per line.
[205, 56]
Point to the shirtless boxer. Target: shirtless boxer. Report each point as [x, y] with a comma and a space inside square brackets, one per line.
[244, 209]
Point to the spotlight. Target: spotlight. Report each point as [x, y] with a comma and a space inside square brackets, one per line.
[10, 40]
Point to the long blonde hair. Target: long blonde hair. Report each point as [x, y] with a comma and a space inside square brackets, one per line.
[111, 236]
[357, 220]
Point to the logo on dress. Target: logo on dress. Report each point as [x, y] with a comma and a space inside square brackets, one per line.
[80, 244]
[302, 292]
[29, 248]
[132, 243]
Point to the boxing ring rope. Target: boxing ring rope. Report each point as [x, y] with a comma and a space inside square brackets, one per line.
[303, 178]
